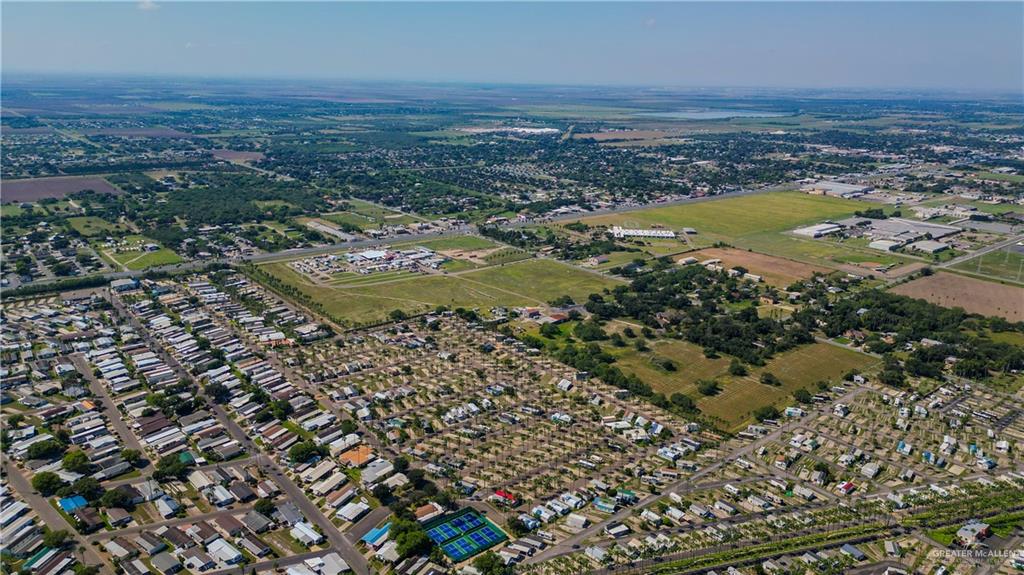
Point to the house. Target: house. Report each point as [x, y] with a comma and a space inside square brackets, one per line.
[149, 543]
[242, 492]
[853, 552]
[256, 521]
[165, 564]
[88, 519]
[972, 533]
[254, 545]
[197, 560]
[224, 552]
[118, 517]
[305, 534]
[229, 525]
[167, 507]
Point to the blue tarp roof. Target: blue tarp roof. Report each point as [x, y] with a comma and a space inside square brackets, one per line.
[374, 535]
[69, 504]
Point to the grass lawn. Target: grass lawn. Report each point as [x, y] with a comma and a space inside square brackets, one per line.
[740, 396]
[542, 279]
[464, 243]
[741, 216]
[761, 223]
[137, 259]
[93, 226]
[798, 368]
[1015, 178]
[691, 365]
[528, 283]
[1004, 264]
[368, 215]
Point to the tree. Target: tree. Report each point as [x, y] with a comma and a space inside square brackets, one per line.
[708, 387]
[46, 449]
[55, 539]
[170, 467]
[683, 402]
[737, 368]
[265, 506]
[47, 483]
[88, 488]
[413, 543]
[218, 392]
[803, 396]
[550, 330]
[76, 461]
[766, 412]
[115, 498]
[304, 451]
[768, 378]
[132, 456]
[490, 564]
[397, 315]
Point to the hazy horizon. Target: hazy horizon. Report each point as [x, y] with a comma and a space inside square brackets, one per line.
[974, 48]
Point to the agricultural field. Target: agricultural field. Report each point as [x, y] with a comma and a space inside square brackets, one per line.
[94, 226]
[57, 187]
[971, 294]
[1006, 264]
[776, 271]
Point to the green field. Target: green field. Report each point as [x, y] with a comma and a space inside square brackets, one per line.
[1015, 178]
[761, 223]
[93, 226]
[357, 300]
[366, 215]
[737, 217]
[740, 396]
[464, 243]
[138, 259]
[1004, 264]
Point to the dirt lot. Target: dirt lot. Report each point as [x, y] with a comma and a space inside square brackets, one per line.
[974, 295]
[237, 156]
[38, 188]
[776, 271]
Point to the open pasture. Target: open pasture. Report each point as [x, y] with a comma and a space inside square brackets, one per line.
[1007, 264]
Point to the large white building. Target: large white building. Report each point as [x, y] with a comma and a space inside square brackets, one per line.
[620, 232]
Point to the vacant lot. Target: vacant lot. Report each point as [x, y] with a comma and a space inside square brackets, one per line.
[776, 271]
[93, 226]
[799, 368]
[973, 295]
[738, 216]
[689, 359]
[38, 188]
[371, 298]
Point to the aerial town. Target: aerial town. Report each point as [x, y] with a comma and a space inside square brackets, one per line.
[262, 327]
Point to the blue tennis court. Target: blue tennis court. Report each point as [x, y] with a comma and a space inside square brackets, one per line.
[464, 534]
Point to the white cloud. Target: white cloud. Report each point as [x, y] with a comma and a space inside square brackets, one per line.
[650, 23]
[148, 5]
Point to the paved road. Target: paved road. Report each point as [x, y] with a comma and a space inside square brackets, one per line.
[338, 541]
[50, 517]
[109, 409]
[104, 535]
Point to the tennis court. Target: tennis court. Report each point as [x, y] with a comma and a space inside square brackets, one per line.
[464, 534]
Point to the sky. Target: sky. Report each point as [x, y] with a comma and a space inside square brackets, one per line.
[971, 47]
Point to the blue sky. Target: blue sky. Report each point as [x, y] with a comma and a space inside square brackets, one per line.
[974, 47]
